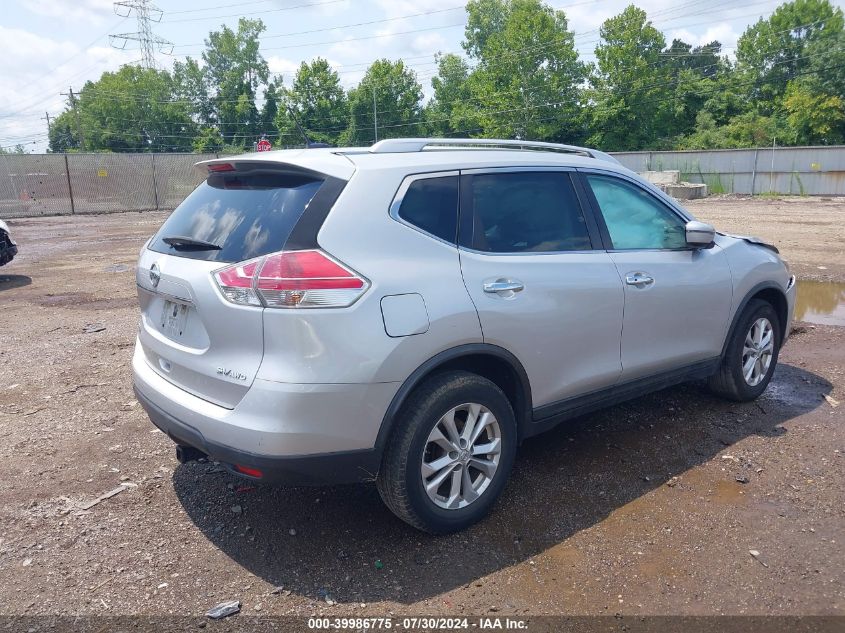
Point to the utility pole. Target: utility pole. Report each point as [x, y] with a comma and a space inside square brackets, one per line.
[375, 111]
[145, 13]
[72, 100]
[47, 116]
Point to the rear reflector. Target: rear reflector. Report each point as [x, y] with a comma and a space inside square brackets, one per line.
[246, 470]
[291, 279]
[214, 167]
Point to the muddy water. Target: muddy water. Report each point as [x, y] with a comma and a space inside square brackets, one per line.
[820, 302]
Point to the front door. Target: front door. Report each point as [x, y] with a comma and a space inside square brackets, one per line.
[543, 288]
[677, 298]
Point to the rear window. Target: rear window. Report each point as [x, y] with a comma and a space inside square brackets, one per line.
[246, 214]
[431, 204]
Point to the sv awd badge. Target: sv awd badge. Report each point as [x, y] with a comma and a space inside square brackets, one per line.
[230, 373]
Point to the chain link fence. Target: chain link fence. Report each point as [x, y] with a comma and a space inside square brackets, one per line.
[32, 185]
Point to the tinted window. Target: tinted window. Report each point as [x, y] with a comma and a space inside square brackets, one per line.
[431, 204]
[526, 212]
[634, 218]
[247, 215]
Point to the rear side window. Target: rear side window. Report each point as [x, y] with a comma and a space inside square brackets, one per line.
[431, 205]
[525, 212]
[246, 214]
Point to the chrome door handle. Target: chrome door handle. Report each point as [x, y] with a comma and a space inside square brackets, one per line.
[638, 279]
[503, 285]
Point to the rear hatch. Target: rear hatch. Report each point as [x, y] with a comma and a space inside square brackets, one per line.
[190, 334]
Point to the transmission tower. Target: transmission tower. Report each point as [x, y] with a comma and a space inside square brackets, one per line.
[145, 12]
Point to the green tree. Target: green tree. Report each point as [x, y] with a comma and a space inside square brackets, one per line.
[749, 129]
[191, 84]
[235, 68]
[815, 117]
[630, 82]
[451, 90]
[208, 139]
[63, 136]
[692, 76]
[318, 102]
[526, 83]
[775, 49]
[398, 104]
[270, 110]
[132, 109]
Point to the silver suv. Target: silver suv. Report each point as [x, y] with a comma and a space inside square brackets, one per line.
[409, 312]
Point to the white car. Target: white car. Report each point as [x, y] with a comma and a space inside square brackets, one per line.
[8, 248]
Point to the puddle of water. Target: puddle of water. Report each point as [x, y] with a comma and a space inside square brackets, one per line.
[820, 302]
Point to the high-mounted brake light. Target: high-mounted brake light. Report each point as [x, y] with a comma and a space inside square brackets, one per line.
[291, 279]
[215, 167]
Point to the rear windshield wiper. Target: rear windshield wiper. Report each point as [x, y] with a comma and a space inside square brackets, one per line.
[180, 242]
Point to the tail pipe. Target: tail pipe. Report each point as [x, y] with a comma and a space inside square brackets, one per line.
[187, 454]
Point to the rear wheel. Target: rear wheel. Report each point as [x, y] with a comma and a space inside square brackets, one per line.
[751, 355]
[450, 454]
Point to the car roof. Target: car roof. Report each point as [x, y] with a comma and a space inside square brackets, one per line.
[415, 155]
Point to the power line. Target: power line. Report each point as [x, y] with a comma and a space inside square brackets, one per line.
[240, 15]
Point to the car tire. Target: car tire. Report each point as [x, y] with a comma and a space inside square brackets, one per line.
[431, 442]
[747, 365]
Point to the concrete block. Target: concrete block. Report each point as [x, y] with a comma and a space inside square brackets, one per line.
[686, 191]
[670, 177]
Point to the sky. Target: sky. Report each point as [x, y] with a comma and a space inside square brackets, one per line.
[49, 46]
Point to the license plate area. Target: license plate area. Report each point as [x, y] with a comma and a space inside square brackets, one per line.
[174, 319]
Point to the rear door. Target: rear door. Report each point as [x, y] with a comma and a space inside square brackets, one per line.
[189, 333]
[543, 288]
[677, 298]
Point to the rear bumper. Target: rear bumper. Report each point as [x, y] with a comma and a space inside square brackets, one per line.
[294, 434]
[323, 469]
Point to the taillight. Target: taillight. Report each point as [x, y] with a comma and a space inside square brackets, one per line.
[291, 279]
[236, 282]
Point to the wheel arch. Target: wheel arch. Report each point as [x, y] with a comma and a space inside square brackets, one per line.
[769, 292]
[490, 361]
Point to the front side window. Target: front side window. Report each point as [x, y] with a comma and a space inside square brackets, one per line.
[431, 204]
[525, 212]
[634, 218]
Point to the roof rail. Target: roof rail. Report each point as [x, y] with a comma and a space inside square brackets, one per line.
[407, 145]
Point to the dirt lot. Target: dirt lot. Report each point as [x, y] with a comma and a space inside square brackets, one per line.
[633, 510]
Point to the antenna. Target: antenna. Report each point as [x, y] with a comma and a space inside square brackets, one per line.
[145, 12]
[309, 144]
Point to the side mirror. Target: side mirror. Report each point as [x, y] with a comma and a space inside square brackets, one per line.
[700, 234]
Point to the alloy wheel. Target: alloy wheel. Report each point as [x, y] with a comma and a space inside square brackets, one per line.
[461, 456]
[757, 351]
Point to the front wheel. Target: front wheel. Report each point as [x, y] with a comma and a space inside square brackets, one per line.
[751, 355]
[450, 453]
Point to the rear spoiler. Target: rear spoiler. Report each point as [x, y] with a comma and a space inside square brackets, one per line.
[315, 162]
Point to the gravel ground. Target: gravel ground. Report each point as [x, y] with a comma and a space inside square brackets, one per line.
[651, 507]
